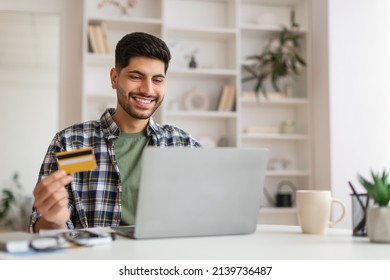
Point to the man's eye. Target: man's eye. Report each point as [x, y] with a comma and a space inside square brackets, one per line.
[158, 81]
[135, 77]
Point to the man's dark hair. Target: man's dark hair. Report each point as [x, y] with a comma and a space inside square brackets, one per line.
[140, 44]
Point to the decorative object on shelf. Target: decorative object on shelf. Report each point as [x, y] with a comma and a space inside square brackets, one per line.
[193, 63]
[282, 198]
[378, 216]
[197, 100]
[122, 5]
[294, 25]
[278, 164]
[287, 126]
[15, 206]
[280, 59]
[192, 60]
[223, 142]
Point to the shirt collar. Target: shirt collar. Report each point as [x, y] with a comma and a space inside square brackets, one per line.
[153, 128]
[111, 129]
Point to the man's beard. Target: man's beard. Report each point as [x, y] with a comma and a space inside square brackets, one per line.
[124, 102]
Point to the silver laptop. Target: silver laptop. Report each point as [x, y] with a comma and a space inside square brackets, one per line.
[198, 192]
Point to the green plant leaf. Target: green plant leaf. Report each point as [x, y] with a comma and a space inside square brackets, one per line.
[276, 63]
[300, 59]
[378, 189]
[6, 202]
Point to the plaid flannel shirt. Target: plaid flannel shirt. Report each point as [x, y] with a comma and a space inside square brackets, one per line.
[94, 196]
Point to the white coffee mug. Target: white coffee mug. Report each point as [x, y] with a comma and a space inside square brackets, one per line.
[314, 210]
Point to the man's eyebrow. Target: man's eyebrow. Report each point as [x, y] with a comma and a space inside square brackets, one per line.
[143, 74]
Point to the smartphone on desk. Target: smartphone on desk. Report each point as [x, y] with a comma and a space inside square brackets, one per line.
[87, 238]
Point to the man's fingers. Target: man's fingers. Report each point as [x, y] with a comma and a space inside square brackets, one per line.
[49, 203]
[51, 183]
[53, 177]
[50, 194]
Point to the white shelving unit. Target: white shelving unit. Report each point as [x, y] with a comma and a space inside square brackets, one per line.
[221, 33]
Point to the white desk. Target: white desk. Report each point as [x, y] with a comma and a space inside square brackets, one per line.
[268, 243]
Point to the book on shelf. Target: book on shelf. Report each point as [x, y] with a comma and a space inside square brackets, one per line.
[223, 98]
[231, 99]
[89, 47]
[97, 35]
[104, 29]
[227, 98]
[92, 38]
[99, 38]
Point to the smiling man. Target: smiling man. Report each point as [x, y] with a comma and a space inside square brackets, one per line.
[107, 195]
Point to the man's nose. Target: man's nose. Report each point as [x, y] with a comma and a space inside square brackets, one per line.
[147, 86]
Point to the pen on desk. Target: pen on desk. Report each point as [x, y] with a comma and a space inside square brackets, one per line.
[357, 195]
[362, 223]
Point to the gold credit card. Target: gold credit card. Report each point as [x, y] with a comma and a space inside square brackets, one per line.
[76, 161]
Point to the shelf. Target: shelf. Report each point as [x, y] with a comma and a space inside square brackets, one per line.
[279, 101]
[202, 72]
[288, 173]
[202, 114]
[202, 32]
[260, 28]
[125, 20]
[253, 29]
[270, 3]
[276, 136]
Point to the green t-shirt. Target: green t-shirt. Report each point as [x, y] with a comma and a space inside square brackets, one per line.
[128, 152]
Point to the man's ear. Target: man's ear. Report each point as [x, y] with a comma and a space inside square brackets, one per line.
[113, 78]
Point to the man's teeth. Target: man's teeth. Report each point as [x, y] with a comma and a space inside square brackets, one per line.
[143, 100]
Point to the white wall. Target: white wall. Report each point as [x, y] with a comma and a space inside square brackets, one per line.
[359, 61]
[29, 76]
[25, 154]
[70, 12]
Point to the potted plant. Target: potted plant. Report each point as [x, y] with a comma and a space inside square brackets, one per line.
[15, 206]
[279, 59]
[378, 216]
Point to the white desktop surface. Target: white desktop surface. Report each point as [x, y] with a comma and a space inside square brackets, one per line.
[269, 242]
